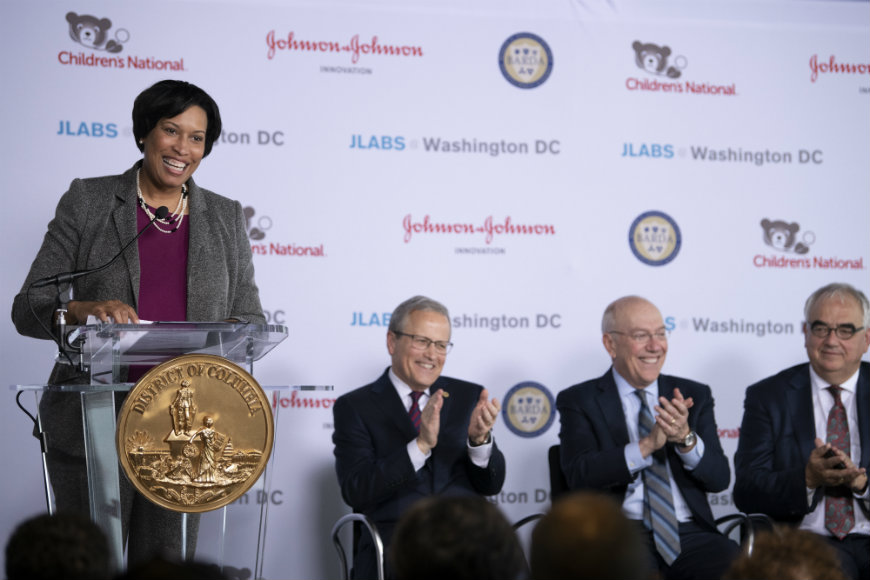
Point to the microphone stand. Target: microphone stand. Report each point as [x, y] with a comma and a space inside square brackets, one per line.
[59, 317]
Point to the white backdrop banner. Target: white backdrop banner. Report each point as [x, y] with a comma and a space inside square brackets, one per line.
[525, 163]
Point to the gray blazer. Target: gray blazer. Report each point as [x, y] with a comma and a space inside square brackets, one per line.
[93, 221]
[97, 216]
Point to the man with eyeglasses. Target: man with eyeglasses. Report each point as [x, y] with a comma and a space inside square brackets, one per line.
[413, 433]
[804, 446]
[651, 441]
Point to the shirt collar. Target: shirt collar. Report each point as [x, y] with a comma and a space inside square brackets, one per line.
[626, 390]
[402, 387]
[819, 383]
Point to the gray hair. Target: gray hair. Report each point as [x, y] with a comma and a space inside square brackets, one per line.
[608, 320]
[838, 290]
[403, 310]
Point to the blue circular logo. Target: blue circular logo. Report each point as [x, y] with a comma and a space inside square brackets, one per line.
[654, 238]
[528, 409]
[526, 61]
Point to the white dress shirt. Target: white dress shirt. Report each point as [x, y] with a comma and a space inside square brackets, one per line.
[632, 505]
[479, 455]
[823, 401]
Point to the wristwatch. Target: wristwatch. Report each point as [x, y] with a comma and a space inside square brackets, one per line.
[689, 440]
[487, 439]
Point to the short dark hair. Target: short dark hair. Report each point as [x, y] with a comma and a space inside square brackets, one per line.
[455, 537]
[787, 553]
[166, 99]
[63, 545]
[586, 535]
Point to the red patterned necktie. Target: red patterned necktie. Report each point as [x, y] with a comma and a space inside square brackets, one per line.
[839, 513]
[414, 411]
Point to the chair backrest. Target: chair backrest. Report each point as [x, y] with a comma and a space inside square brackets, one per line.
[558, 483]
[747, 524]
[357, 519]
[522, 529]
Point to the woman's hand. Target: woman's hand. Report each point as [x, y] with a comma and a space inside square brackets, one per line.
[79, 310]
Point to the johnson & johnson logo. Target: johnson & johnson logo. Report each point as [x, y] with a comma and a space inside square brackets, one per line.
[354, 47]
[490, 228]
[832, 66]
[297, 401]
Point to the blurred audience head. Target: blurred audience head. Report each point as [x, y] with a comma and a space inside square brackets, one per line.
[65, 546]
[162, 569]
[788, 554]
[586, 535]
[455, 538]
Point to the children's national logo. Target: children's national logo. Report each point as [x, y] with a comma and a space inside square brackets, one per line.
[93, 32]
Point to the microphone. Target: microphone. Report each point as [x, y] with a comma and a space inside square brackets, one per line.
[67, 277]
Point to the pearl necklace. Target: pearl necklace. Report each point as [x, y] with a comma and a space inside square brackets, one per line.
[178, 214]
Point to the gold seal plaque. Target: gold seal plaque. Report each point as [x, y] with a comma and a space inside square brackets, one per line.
[195, 433]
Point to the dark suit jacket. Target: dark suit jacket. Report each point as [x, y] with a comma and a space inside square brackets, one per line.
[372, 430]
[93, 221]
[776, 438]
[593, 435]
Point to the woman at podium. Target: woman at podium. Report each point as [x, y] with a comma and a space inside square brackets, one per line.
[192, 262]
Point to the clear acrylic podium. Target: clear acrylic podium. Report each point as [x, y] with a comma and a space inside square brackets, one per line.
[103, 350]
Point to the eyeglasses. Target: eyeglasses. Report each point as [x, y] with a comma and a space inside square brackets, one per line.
[642, 336]
[422, 343]
[843, 331]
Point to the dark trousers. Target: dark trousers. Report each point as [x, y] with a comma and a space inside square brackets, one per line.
[704, 554]
[854, 554]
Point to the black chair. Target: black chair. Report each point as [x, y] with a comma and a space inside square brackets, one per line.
[523, 538]
[558, 483]
[359, 520]
[748, 524]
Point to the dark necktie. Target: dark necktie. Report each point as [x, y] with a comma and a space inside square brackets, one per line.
[414, 411]
[839, 513]
[658, 502]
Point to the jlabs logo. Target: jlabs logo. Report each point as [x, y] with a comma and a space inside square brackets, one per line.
[69, 128]
[648, 150]
[377, 142]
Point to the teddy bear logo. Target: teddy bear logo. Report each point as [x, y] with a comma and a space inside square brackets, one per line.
[654, 59]
[783, 236]
[256, 232]
[93, 32]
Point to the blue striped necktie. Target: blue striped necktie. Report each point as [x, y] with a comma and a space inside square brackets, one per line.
[658, 502]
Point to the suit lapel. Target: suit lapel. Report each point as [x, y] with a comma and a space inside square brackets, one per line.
[799, 401]
[386, 399]
[124, 218]
[440, 473]
[611, 408]
[863, 402]
[198, 260]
